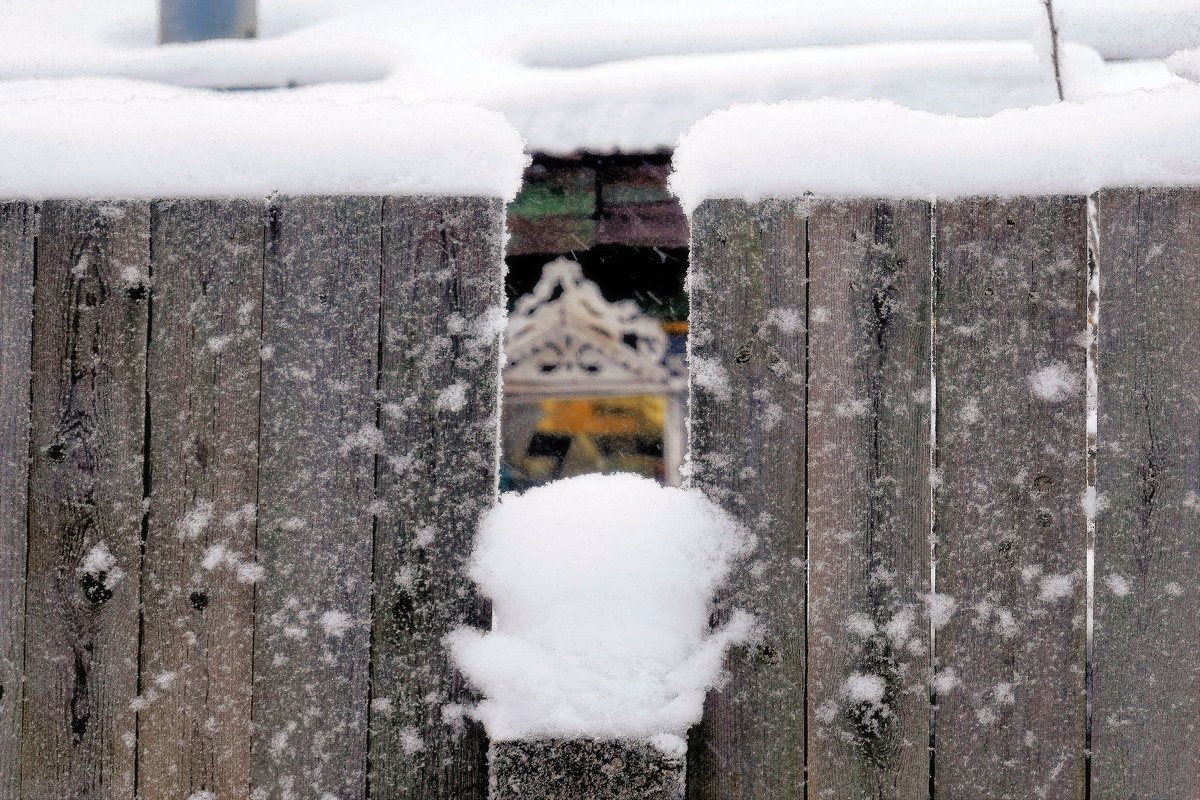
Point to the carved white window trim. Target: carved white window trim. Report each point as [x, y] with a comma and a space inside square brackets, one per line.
[564, 338]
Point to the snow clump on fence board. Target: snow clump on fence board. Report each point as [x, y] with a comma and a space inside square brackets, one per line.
[602, 588]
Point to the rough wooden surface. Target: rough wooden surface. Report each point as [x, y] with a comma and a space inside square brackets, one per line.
[1010, 527]
[85, 505]
[198, 598]
[443, 291]
[1146, 677]
[316, 488]
[748, 294]
[868, 500]
[17, 228]
[581, 769]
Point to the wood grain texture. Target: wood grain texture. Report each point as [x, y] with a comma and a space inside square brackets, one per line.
[18, 223]
[1146, 678]
[584, 769]
[89, 358]
[748, 294]
[443, 314]
[197, 586]
[868, 499]
[1010, 527]
[316, 488]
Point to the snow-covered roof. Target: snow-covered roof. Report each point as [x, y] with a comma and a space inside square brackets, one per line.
[625, 75]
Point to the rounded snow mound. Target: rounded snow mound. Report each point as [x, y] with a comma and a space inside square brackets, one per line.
[602, 588]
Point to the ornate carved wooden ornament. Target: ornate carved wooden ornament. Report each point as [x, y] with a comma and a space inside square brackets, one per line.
[565, 338]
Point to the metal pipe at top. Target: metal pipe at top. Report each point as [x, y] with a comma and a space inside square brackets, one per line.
[197, 20]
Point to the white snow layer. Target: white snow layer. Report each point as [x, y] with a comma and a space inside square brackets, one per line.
[625, 74]
[113, 139]
[838, 148]
[602, 588]
[1186, 64]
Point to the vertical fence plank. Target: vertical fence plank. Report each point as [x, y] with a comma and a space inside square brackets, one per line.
[442, 318]
[89, 345]
[748, 295]
[316, 489]
[197, 578]
[868, 500]
[17, 225]
[1010, 528]
[1146, 677]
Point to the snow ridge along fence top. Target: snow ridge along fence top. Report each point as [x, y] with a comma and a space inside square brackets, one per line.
[244, 445]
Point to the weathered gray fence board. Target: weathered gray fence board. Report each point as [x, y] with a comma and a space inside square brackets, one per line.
[85, 504]
[316, 490]
[203, 375]
[1146, 678]
[868, 500]
[1010, 527]
[584, 769]
[17, 228]
[748, 288]
[442, 319]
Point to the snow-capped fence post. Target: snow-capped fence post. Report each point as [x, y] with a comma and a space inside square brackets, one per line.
[1065, 353]
[16, 319]
[1010, 532]
[602, 650]
[1146, 691]
[249, 420]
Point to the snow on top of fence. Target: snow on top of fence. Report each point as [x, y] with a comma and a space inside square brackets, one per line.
[1186, 64]
[602, 588]
[119, 139]
[838, 148]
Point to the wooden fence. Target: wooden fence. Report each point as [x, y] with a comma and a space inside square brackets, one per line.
[892, 395]
[239, 417]
[244, 445]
